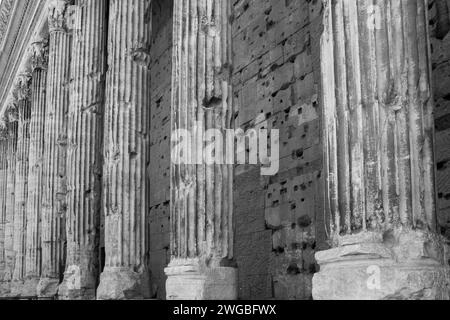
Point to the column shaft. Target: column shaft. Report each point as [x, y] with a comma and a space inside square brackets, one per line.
[202, 193]
[84, 160]
[21, 189]
[8, 238]
[127, 151]
[55, 146]
[10, 200]
[3, 192]
[378, 142]
[36, 153]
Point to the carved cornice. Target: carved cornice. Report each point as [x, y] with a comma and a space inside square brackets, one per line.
[28, 24]
[6, 9]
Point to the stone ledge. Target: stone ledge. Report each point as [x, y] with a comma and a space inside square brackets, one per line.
[381, 280]
[200, 282]
[124, 284]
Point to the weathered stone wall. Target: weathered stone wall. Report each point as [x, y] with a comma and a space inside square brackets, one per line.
[276, 84]
[440, 32]
[161, 73]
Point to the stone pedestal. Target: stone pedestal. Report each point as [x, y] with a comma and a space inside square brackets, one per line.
[407, 265]
[80, 279]
[47, 288]
[16, 289]
[29, 287]
[124, 284]
[196, 281]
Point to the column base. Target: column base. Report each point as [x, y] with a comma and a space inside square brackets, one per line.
[29, 288]
[408, 267]
[193, 281]
[124, 284]
[5, 289]
[48, 288]
[77, 285]
[17, 287]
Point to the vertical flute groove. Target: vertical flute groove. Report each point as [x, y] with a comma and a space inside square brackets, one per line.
[55, 145]
[21, 187]
[126, 134]
[85, 126]
[377, 119]
[201, 196]
[10, 199]
[36, 153]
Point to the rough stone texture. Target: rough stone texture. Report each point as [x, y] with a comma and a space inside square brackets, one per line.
[55, 146]
[192, 281]
[379, 152]
[159, 169]
[202, 225]
[84, 160]
[279, 220]
[276, 85]
[127, 152]
[440, 44]
[36, 152]
[409, 268]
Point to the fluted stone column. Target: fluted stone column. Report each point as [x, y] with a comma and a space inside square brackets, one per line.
[39, 62]
[55, 146]
[379, 157]
[10, 200]
[201, 194]
[84, 160]
[3, 192]
[127, 151]
[21, 188]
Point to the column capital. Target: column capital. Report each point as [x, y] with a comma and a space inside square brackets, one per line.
[22, 88]
[11, 112]
[39, 54]
[57, 15]
[3, 128]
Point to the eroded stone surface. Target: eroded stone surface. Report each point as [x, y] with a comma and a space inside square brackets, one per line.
[84, 143]
[202, 224]
[196, 281]
[379, 155]
[126, 152]
[275, 83]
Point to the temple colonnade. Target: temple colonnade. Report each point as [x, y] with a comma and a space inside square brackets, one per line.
[75, 145]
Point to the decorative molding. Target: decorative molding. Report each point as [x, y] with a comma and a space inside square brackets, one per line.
[57, 15]
[3, 128]
[6, 10]
[39, 54]
[31, 22]
[11, 113]
[23, 86]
